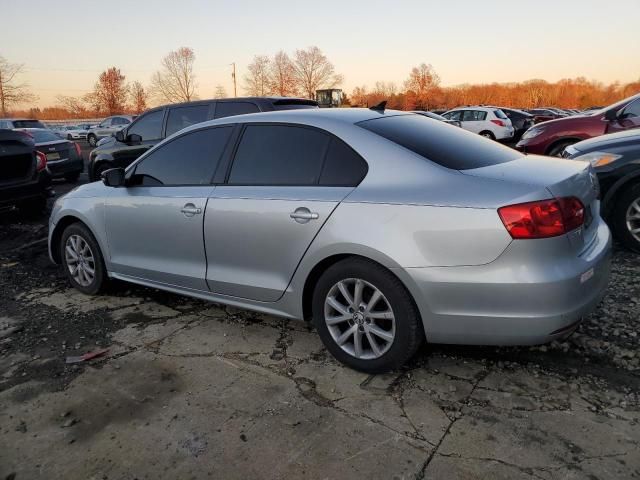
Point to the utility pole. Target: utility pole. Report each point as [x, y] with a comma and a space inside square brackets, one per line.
[233, 75]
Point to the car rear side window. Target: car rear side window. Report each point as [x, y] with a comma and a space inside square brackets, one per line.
[473, 116]
[149, 126]
[342, 166]
[182, 117]
[450, 147]
[279, 155]
[228, 109]
[188, 160]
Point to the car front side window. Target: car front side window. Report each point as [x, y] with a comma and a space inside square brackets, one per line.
[148, 126]
[190, 159]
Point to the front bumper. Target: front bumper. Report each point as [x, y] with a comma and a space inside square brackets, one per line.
[510, 302]
[532, 145]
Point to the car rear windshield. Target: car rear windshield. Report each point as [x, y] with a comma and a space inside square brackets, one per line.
[27, 124]
[42, 136]
[446, 145]
[500, 114]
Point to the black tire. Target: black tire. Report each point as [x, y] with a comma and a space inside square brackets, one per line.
[557, 149]
[72, 177]
[101, 167]
[34, 207]
[409, 332]
[619, 218]
[100, 279]
[92, 140]
[487, 134]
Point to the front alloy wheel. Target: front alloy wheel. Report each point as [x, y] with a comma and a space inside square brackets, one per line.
[80, 260]
[359, 318]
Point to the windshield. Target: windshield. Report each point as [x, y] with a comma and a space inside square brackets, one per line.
[438, 142]
[614, 106]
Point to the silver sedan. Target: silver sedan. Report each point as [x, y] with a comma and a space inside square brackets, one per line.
[384, 228]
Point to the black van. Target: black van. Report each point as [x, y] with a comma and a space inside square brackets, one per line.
[158, 123]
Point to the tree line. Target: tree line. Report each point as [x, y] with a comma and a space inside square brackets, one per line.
[300, 74]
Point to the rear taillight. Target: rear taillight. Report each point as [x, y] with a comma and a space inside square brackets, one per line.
[78, 151]
[41, 161]
[542, 219]
[499, 123]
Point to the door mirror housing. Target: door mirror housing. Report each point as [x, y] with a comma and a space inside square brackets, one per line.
[114, 177]
[611, 115]
[134, 139]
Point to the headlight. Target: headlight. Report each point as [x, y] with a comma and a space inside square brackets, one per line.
[532, 132]
[598, 159]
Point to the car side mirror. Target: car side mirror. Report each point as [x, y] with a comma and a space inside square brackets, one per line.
[120, 136]
[611, 115]
[134, 139]
[114, 177]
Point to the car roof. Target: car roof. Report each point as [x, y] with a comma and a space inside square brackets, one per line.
[311, 116]
[270, 99]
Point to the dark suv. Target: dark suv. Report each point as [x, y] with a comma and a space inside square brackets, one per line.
[158, 123]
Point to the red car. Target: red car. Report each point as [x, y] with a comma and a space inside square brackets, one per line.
[551, 138]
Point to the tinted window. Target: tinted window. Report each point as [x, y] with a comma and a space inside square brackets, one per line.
[632, 110]
[149, 126]
[120, 121]
[500, 114]
[28, 124]
[188, 160]
[473, 116]
[42, 136]
[450, 147]
[278, 155]
[182, 117]
[342, 165]
[228, 109]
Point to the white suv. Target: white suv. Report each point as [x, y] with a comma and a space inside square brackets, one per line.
[489, 122]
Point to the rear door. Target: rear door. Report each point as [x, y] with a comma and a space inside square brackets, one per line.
[154, 226]
[284, 183]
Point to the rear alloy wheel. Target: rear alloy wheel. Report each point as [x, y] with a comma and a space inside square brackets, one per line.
[92, 140]
[365, 317]
[82, 259]
[487, 134]
[626, 218]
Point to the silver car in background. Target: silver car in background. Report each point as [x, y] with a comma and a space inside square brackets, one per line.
[382, 227]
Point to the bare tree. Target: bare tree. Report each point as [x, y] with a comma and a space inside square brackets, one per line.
[282, 75]
[221, 92]
[109, 93]
[138, 97]
[175, 81]
[256, 81]
[74, 105]
[422, 81]
[11, 91]
[314, 71]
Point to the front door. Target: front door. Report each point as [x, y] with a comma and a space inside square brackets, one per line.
[628, 117]
[154, 225]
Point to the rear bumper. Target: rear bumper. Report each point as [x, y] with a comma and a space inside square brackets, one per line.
[16, 193]
[507, 302]
[60, 168]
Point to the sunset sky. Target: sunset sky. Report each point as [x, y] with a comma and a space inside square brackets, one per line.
[66, 44]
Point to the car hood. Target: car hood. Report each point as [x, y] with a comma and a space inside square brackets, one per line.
[569, 123]
[626, 138]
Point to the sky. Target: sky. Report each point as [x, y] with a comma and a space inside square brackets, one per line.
[65, 44]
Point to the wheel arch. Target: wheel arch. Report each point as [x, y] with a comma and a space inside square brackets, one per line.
[558, 141]
[617, 189]
[56, 235]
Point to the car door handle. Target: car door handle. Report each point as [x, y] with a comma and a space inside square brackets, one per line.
[190, 210]
[303, 215]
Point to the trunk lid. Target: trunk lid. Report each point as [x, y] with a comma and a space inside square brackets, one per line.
[560, 178]
[55, 151]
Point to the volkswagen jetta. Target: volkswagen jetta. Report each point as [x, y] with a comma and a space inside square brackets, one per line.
[384, 228]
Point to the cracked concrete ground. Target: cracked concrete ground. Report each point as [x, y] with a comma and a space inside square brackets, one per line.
[190, 389]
